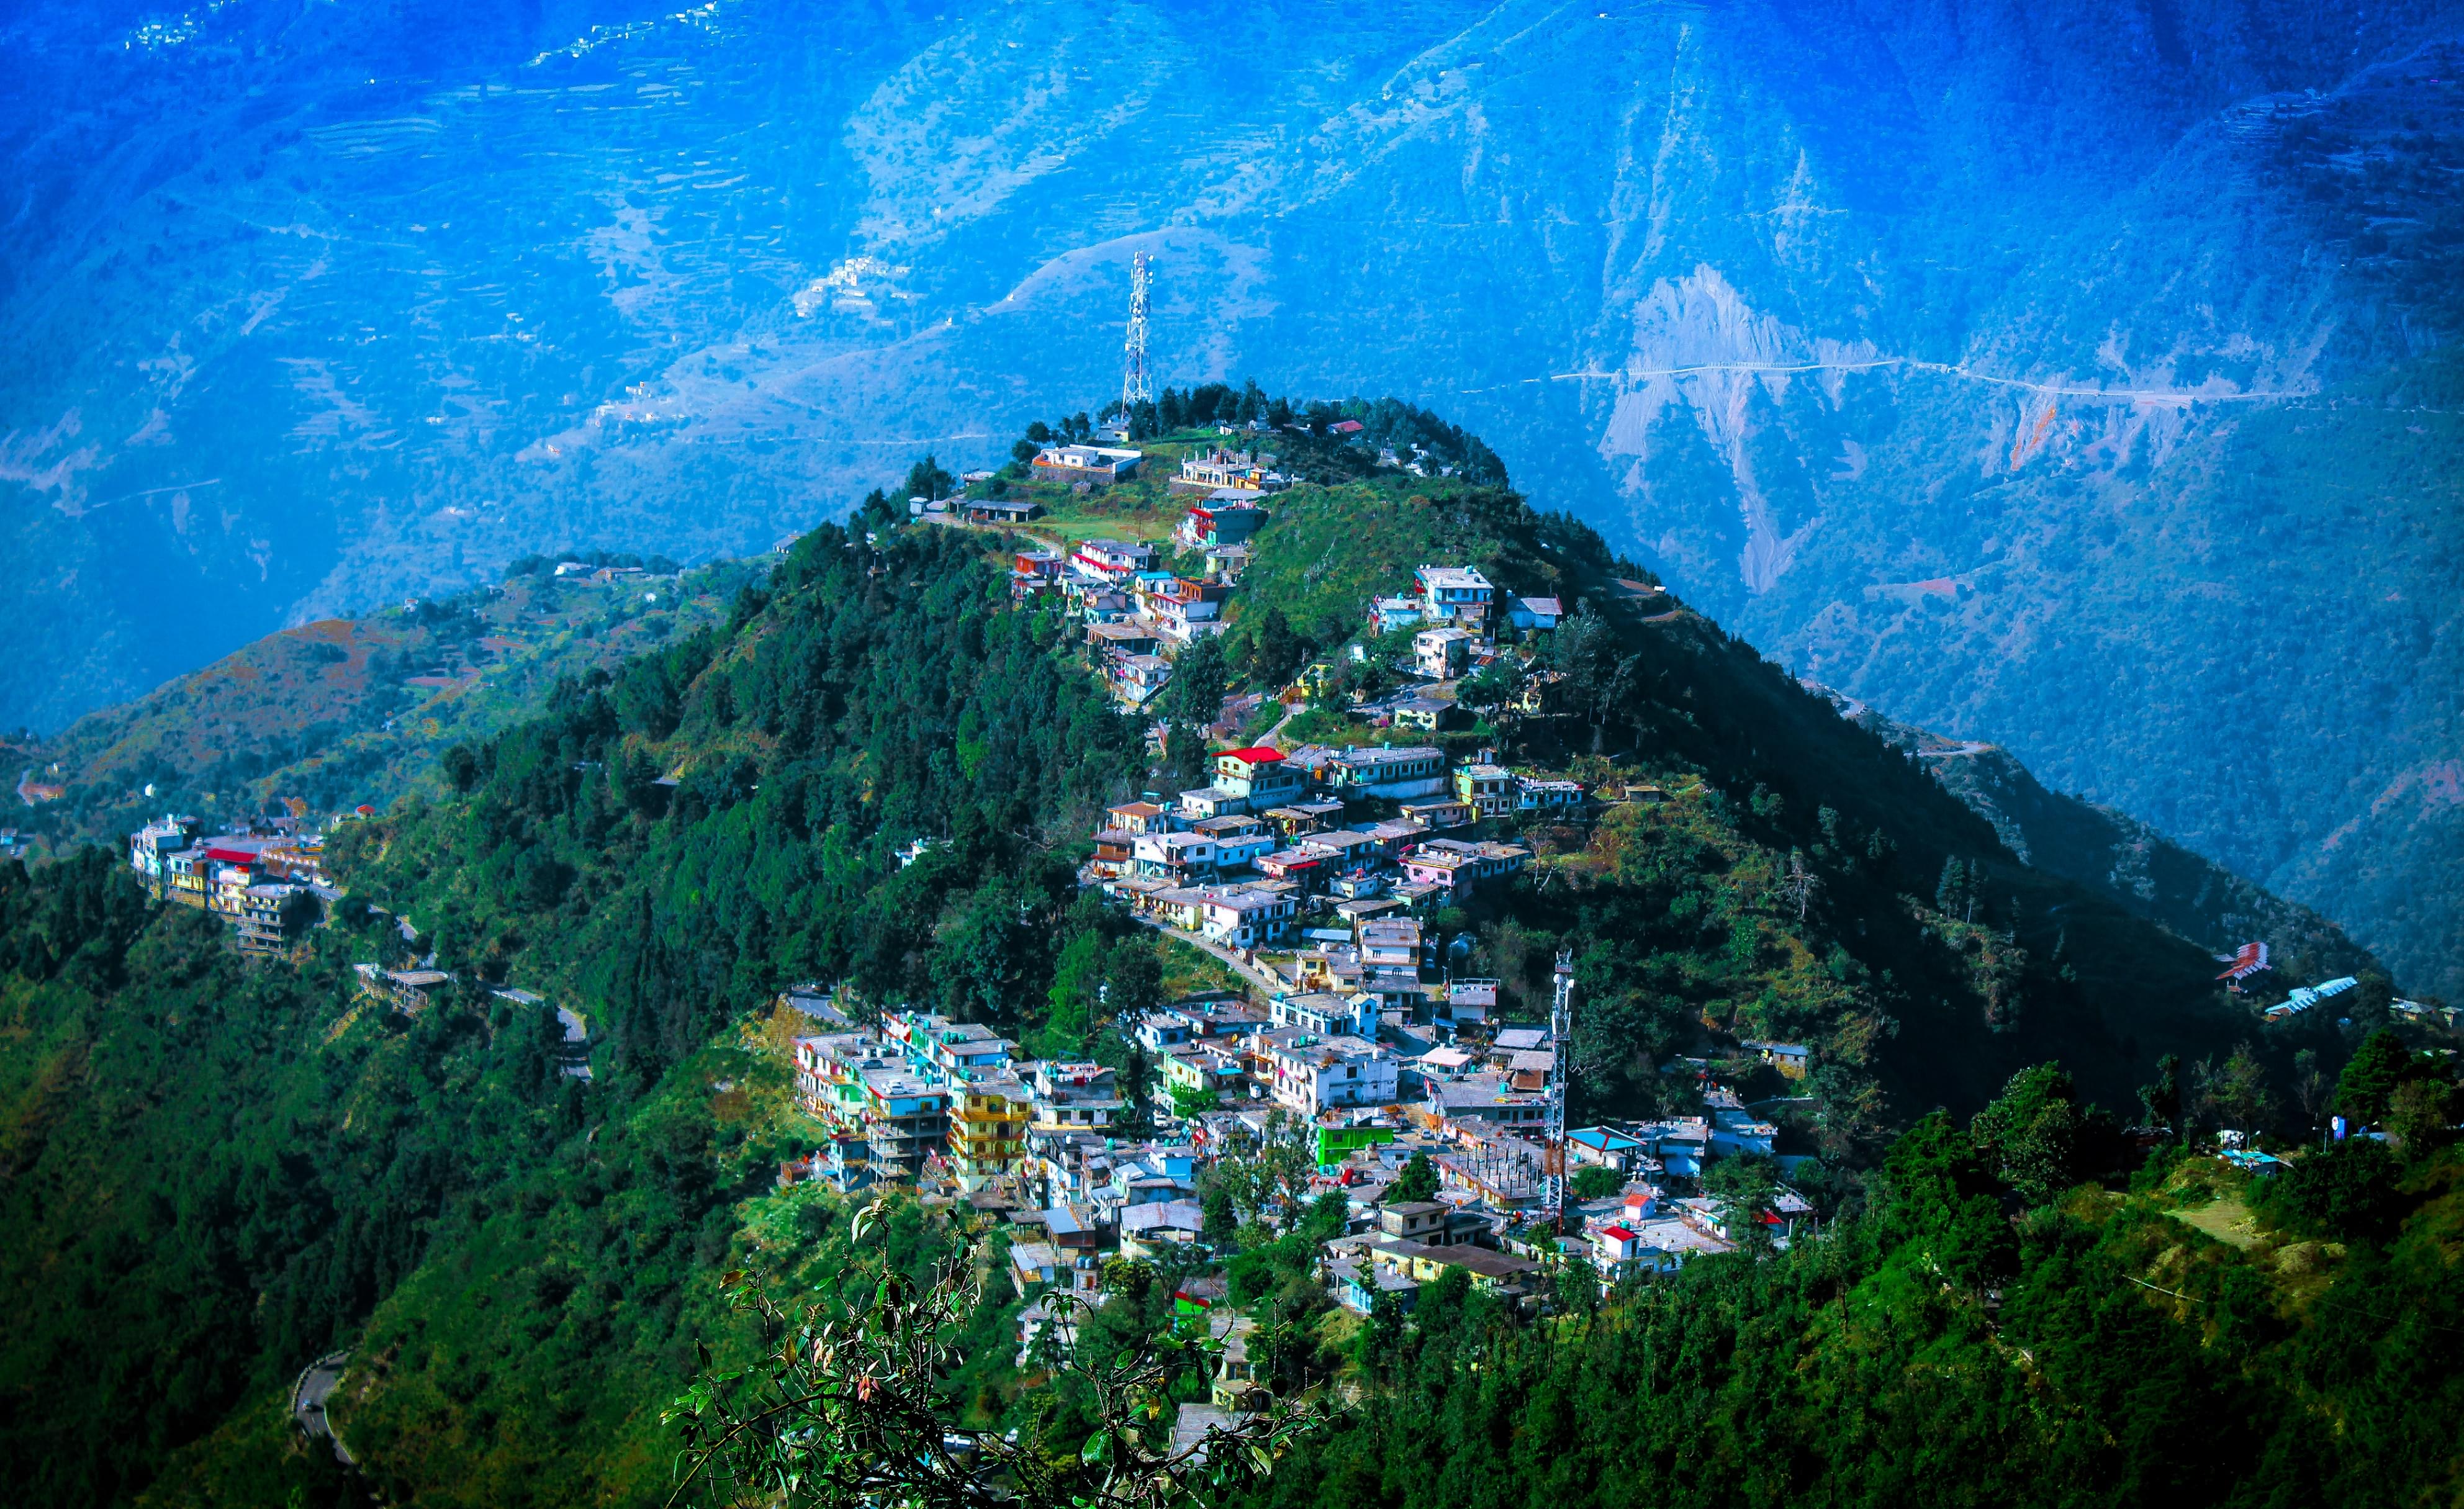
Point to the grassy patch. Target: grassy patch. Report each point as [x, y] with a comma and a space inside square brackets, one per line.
[2227, 1220]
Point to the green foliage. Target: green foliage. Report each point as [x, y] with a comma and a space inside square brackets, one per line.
[876, 695]
[2040, 1139]
[212, 1173]
[1276, 653]
[1194, 697]
[1417, 1180]
[2346, 1191]
[2365, 1090]
[1593, 1182]
[928, 479]
[672, 836]
[1908, 1358]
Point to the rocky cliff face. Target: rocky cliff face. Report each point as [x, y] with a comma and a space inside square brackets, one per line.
[2072, 377]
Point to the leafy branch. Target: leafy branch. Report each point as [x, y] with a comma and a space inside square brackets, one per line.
[849, 1407]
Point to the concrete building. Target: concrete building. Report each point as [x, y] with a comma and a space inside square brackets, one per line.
[1396, 773]
[1441, 654]
[1310, 1074]
[1101, 465]
[1458, 594]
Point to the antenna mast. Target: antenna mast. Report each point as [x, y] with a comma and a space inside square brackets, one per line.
[1561, 1031]
[1135, 386]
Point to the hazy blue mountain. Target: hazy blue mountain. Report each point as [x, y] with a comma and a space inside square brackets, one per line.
[2077, 376]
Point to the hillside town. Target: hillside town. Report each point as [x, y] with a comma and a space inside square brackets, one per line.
[1357, 1058]
[1087, 1161]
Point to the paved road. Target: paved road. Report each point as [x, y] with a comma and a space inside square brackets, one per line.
[1971, 747]
[316, 1384]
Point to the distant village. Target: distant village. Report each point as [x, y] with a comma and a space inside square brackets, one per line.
[268, 880]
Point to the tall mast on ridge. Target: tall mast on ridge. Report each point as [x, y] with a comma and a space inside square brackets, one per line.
[1136, 387]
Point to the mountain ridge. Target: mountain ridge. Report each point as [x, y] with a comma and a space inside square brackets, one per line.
[2123, 224]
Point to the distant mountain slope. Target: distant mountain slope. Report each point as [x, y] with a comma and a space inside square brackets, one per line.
[2078, 378]
[2122, 857]
[347, 711]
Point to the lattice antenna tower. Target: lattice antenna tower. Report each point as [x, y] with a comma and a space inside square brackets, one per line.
[1136, 386]
[1561, 1034]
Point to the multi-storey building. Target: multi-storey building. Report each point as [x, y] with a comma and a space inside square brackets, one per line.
[1441, 653]
[1246, 919]
[989, 1117]
[1325, 1013]
[151, 846]
[1488, 787]
[945, 1050]
[830, 1074]
[259, 923]
[1194, 1068]
[1067, 1099]
[1111, 559]
[1311, 1074]
[1458, 866]
[1458, 594]
[906, 1120]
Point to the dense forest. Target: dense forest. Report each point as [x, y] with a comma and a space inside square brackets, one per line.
[214, 1169]
[1992, 1325]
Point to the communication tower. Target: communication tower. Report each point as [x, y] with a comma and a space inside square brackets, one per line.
[1136, 387]
[1561, 1045]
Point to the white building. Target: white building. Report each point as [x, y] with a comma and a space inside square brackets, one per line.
[1244, 919]
[1173, 856]
[1441, 654]
[1309, 1075]
[1326, 1014]
[1112, 560]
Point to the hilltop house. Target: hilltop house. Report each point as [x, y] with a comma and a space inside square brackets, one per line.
[1490, 788]
[1001, 510]
[1244, 919]
[1182, 609]
[1138, 678]
[1458, 594]
[1389, 615]
[1325, 1013]
[1535, 613]
[1545, 793]
[1099, 465]
[1214, 472]
[1258, 777]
